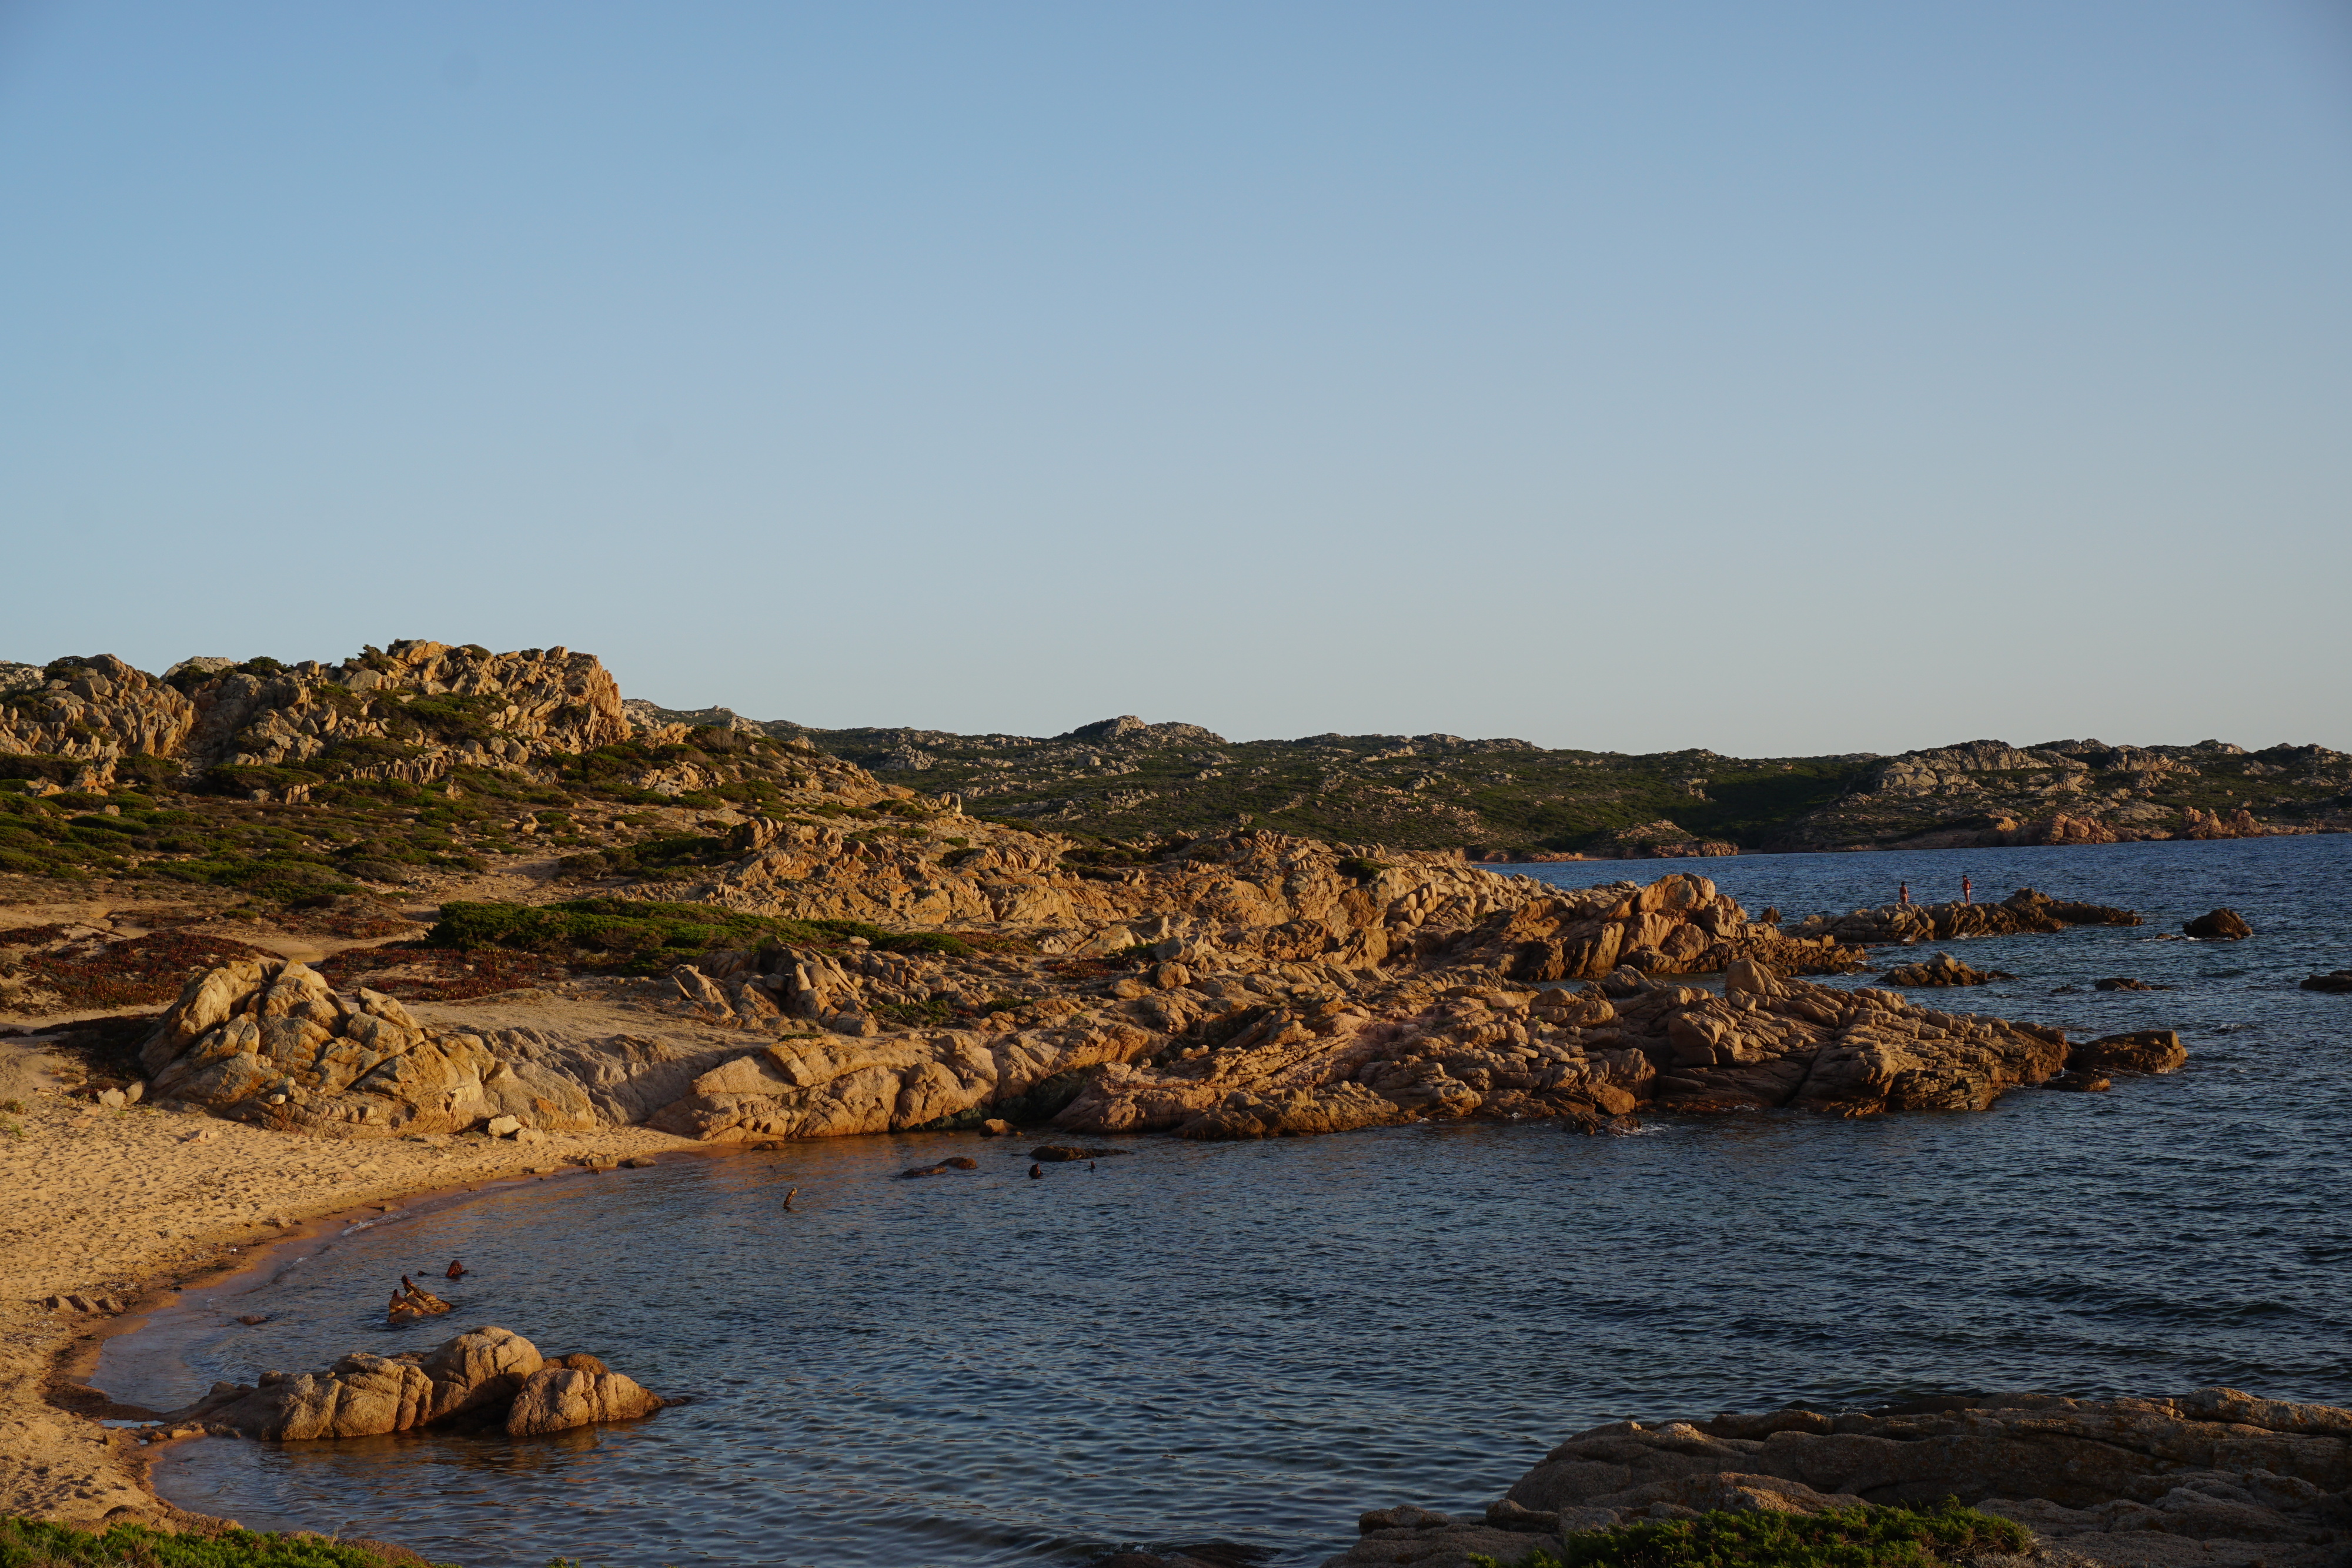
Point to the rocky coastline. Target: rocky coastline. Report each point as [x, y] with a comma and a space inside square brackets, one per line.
[1289, 990]
[2216, 1478]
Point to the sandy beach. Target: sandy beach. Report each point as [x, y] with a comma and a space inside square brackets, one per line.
[129, 1205]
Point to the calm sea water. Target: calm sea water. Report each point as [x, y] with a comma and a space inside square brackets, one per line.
[1256, 1341]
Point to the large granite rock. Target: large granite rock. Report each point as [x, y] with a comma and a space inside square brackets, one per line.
[482, 1376]
[2215, 1477]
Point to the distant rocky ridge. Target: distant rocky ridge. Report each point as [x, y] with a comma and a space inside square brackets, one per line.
[1506, 799]
[416, 710]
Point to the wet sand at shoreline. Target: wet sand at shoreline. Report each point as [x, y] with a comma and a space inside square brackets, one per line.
[132, 1204]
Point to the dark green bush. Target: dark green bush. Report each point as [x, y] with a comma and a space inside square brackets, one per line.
[53, 770]
[590, 926]
[1867, 1537]
[33, 1544]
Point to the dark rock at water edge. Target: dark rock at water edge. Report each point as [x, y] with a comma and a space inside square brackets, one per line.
[2339, 982]
[2218, 926]
[1943, 970]
[2120, 983]
[2143, 1051]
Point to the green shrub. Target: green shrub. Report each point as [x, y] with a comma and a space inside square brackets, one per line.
[33, 1544]
[1361, 869]
[55, 770]
[1870, 1536]
[608, 925]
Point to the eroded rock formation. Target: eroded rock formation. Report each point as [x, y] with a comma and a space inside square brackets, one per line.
[1299, 990]
[485, 1376]
[2216, 1478]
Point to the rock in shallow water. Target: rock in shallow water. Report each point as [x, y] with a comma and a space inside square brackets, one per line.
[485, 1375]
[2220, 926]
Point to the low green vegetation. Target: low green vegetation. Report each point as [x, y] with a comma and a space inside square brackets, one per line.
[647, 936]
[32, 1543]
[1867, 1537]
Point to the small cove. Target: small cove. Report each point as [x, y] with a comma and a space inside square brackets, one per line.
[1258, 1341]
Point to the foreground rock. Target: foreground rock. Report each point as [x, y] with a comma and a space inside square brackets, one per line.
[2216, 1478]
[487, 1376]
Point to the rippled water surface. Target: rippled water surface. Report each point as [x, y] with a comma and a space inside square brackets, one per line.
[1257, 1341]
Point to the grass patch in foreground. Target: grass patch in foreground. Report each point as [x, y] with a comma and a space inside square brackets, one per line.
[33, 1544]
[1871, 1536]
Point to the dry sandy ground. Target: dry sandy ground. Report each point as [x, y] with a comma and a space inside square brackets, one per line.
[128, 1203]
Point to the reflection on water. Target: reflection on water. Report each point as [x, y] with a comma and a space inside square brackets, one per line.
[1258, 1341]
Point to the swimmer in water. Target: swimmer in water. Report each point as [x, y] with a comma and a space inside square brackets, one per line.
[1036, 1173]
[457, 1270]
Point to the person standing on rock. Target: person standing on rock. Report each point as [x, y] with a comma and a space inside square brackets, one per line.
[1903, 892]
[1968, 890]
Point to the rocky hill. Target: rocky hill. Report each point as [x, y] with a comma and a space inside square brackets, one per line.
[311, 782]
[307, 782]
[1509, 799]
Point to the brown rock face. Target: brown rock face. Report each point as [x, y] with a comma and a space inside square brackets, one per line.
[209, 714]
[1427, 1052]
[557, 1398]
[1280, 987]
[269, 1039]
[2218, 925]
[365, 1396]
[2148, 1050]
[2214, 1477]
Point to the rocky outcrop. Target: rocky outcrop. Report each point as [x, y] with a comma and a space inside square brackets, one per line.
[1500, 1053]
[2337, 981]
[270, 1041]
[2022, 911]
[2218, 926]
[2215, 1477]
[487, 1376]
[1943, 970]
[1299, 991]
[361, 719]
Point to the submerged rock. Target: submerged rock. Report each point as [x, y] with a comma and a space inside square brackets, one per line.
[2339, 981]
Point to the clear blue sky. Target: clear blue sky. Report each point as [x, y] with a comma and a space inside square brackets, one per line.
[1781, 379]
